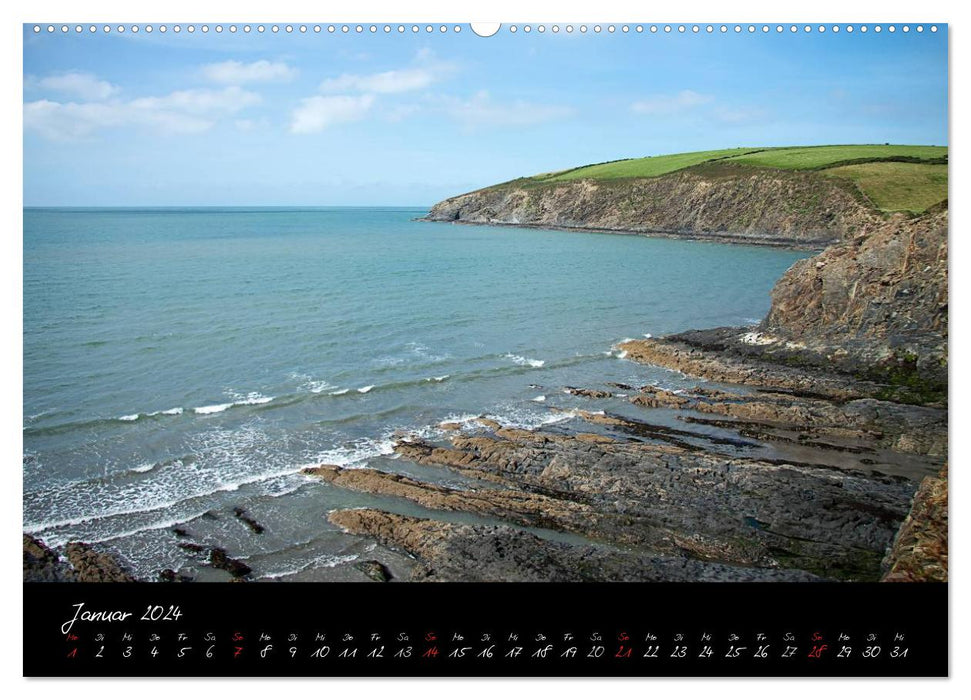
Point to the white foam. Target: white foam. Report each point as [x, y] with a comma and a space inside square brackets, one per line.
[254, 399]
[215, 408]
[365, 389]
[539, 399]
[177, 411]
[648, 335]
[339, 392]
[223, 461]
[129, 418]
[142, 468]
[354, 454]
[524, 361]
[158, 525]
[325, 561]
[437, 379]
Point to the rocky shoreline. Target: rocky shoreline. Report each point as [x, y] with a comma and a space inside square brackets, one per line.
[655, 503]
[813, 447]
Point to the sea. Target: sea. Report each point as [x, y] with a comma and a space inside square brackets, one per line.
[182, 363]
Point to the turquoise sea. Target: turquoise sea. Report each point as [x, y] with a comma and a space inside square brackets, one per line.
[179, 363]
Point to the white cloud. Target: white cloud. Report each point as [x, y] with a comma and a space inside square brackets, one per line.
[200, 101]
[391, 81]
[482, 111]
[236, 73]
[83, 86]
[180, 112]
[317, 113]
[425, 71]
[671, 104]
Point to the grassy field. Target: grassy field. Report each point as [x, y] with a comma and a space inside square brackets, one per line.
[825, 156]
[891, 186]
[897, 186]
[641, 167]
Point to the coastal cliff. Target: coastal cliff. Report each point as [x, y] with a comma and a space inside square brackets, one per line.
[709, 202]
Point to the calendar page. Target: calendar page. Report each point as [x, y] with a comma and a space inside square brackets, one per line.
[515, 349]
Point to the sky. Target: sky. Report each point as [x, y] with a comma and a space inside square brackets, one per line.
[320, 119]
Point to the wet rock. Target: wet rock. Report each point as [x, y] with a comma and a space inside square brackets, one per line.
[192, 547]
[41, 564]
[374, 570]
[450, 426]
[240, 513]
[670, 499]
[170, 576]
[911, 429]
[219, 559]
[705, 354]
[588, 393]
[91, 566]
[180, 532]
[459, 552]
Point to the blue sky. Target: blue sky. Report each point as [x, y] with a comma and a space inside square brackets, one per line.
[409, 119]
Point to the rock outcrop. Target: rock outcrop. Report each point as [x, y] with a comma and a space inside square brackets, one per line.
[876, 305]
[91, 566]
[41, 564]
[459, 552]
[919, 551]
[80, 563]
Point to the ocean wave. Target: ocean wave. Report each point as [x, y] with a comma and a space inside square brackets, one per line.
[339, 392]
[221, 460]
[215, 408]
[129, 418]
[365, 389]
[539, 399]
[252, 399]
[525, 361]
[324, 561]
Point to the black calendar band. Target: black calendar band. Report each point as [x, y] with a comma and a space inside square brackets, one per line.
[550, 629]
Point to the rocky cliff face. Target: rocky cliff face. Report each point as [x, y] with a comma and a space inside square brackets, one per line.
[878, 303]
[919, 551]
[709, 202]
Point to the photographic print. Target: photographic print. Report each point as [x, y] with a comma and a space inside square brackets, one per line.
[418, 313]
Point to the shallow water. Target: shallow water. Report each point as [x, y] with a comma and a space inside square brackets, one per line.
[179, 362]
